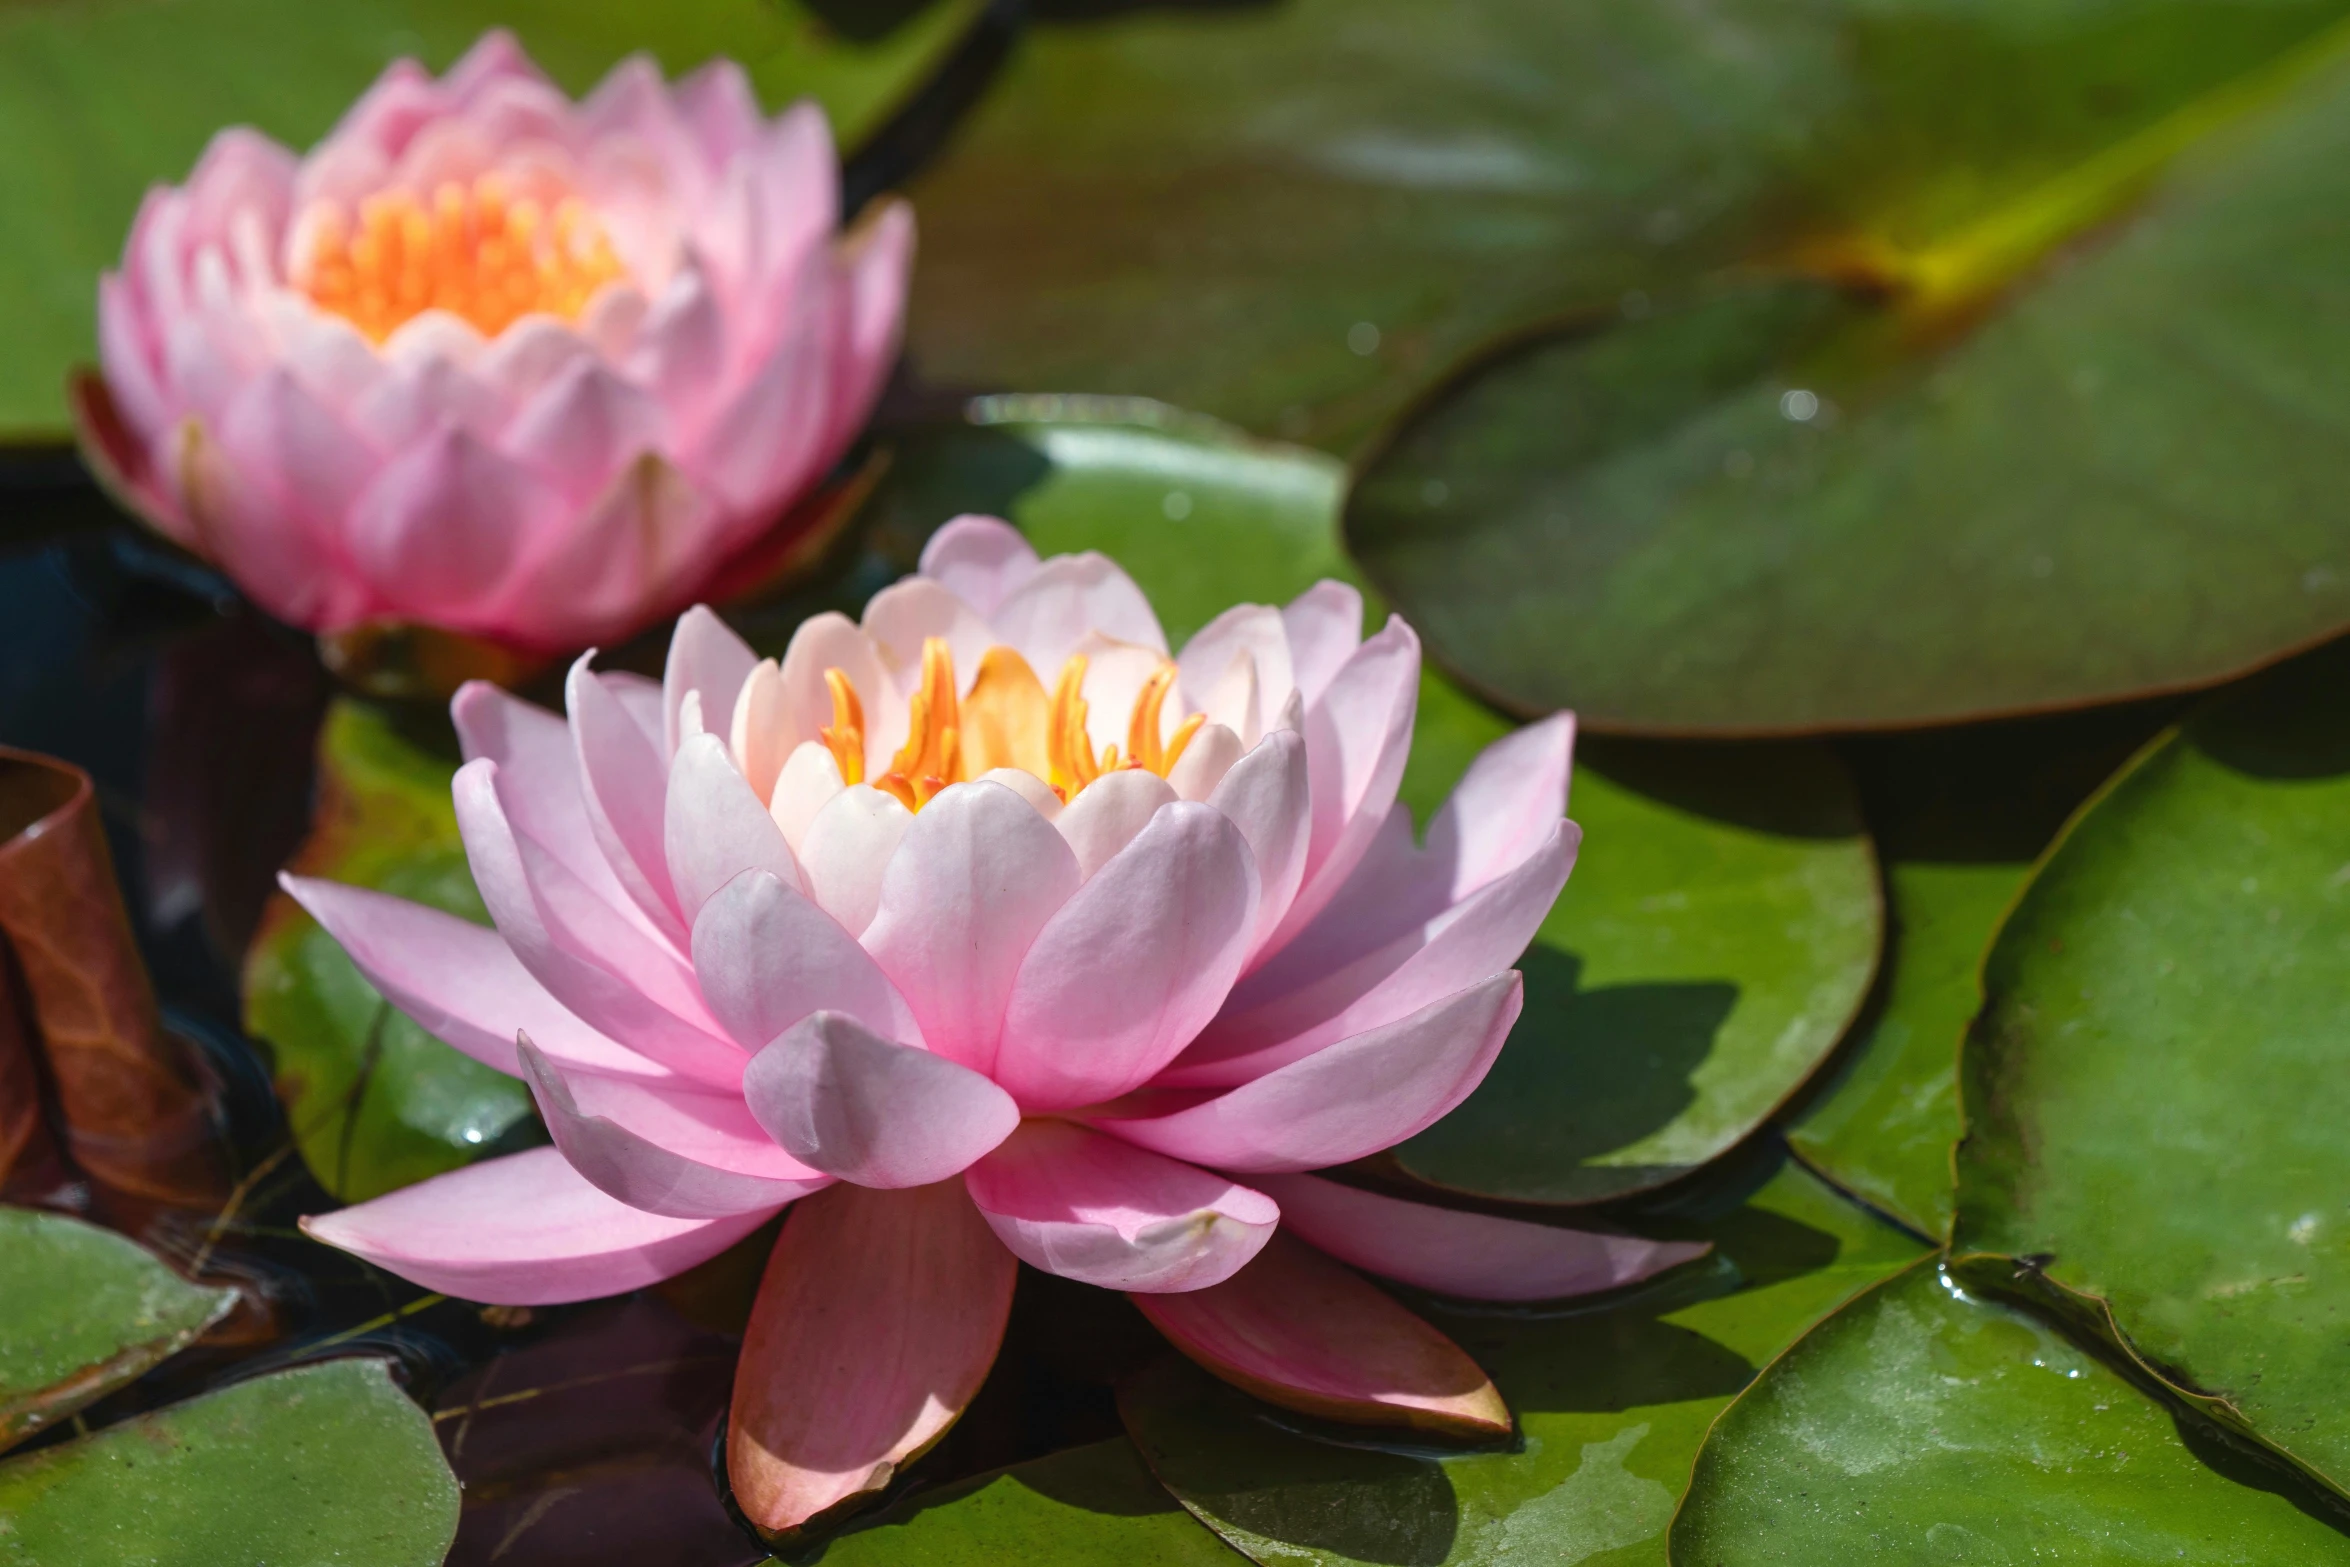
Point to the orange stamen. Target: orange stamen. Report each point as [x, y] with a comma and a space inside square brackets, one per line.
[1071, 750]
[1142, 730]
[473, 252]
[846, 737]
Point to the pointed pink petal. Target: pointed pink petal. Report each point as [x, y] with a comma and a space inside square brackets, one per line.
[632, 552]
[585, 426]
[706, 656]
[1259, 1032]
[1108, 813]
[809, 780]
[1093, 1209]
[526, 1230]
[974, 880]
[313, 463]
[1131, 967]
[459, 982]
[1212, 754]
[538, 771]
[1298, 1330]
[284, 567]
[1473, 1255]
[876, 1322]
[441, 530]
[1348, 1100]
[844, 1100]
[764, 444]
[1506, 806]
[1325, 626]
[1269, 797]
[782, 708]
[768, 957]
[879, 259]
[979, 560]
[685, 1153]
[624, 784]
[716, 103]
[848, 849]
[1049, 614]
[587, 956]
[716, 829]
[1358, 737]
[680, 351]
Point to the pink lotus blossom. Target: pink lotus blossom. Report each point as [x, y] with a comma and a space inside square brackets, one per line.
[494, 361]
[1089, 973]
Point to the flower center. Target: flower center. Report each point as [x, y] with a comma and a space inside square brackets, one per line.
[477, 252]
[1006, 720]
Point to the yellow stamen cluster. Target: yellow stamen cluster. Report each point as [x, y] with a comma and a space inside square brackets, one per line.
[1006, 720]
[476, 252]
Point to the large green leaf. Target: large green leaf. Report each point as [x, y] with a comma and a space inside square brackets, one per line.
[1924, 1424]
[1611, 1401]
[2154, 1085]
[1959, 816]
[324, 1463]
[374, 1101]
[1712, 946]
[101, 98]
[1944, 451]
[82, 1311]
[1094, 1504]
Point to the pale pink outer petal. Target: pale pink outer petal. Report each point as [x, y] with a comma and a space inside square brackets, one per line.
[979, 560]
[1269, 797]
[242, 526]
[1214, 751]
[1108, 813]
[1298, 1330]
[1132, 966]
[809, 780]
[850, 844]
[1506, 805]
[458, 982]
[1325, 626]
[847, 1101]
[716, 828]
[1263, 1028]
[283, 437]
[1358, 738]
[1093, 1209]
[441, 531]
[525, 1230]
[1065, 599]
[584, 427]
[1348, 1100]
[126, 357]
[581, 948]
[538, 768]
[877, 1319]
[781, 707]
[761, 446]
[624, 783]
[768, 957]
[679, 1152]
[717, 105]
[408, 400]
[1473, 1255]
[679, 352]
[976, 877]
[705, 655]
[632, 552]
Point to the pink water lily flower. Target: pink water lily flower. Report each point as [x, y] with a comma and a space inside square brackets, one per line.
[491, 360]
[986, 930]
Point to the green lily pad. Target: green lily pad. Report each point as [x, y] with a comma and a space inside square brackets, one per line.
[324, 1463]
[2152, 1088]
[374, 1101]
[1086, 1504]
[82, 1311]
[1611, 1400]
[1959, 816]
[1714, 943]
[99, 101]
[1924, 1424]
[2037, 447]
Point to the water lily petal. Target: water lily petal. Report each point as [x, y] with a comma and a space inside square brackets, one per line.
[1473, 1255]
[1325, 626]
[849, 847]
[845, 1100]
[525, 1230]
[1068, 598]
[1099, 1211]
[706, 656]
[769, 957]
[624, 782]
[979, 560]
[716, 829]
[1298, 1330]
[877, 1319]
